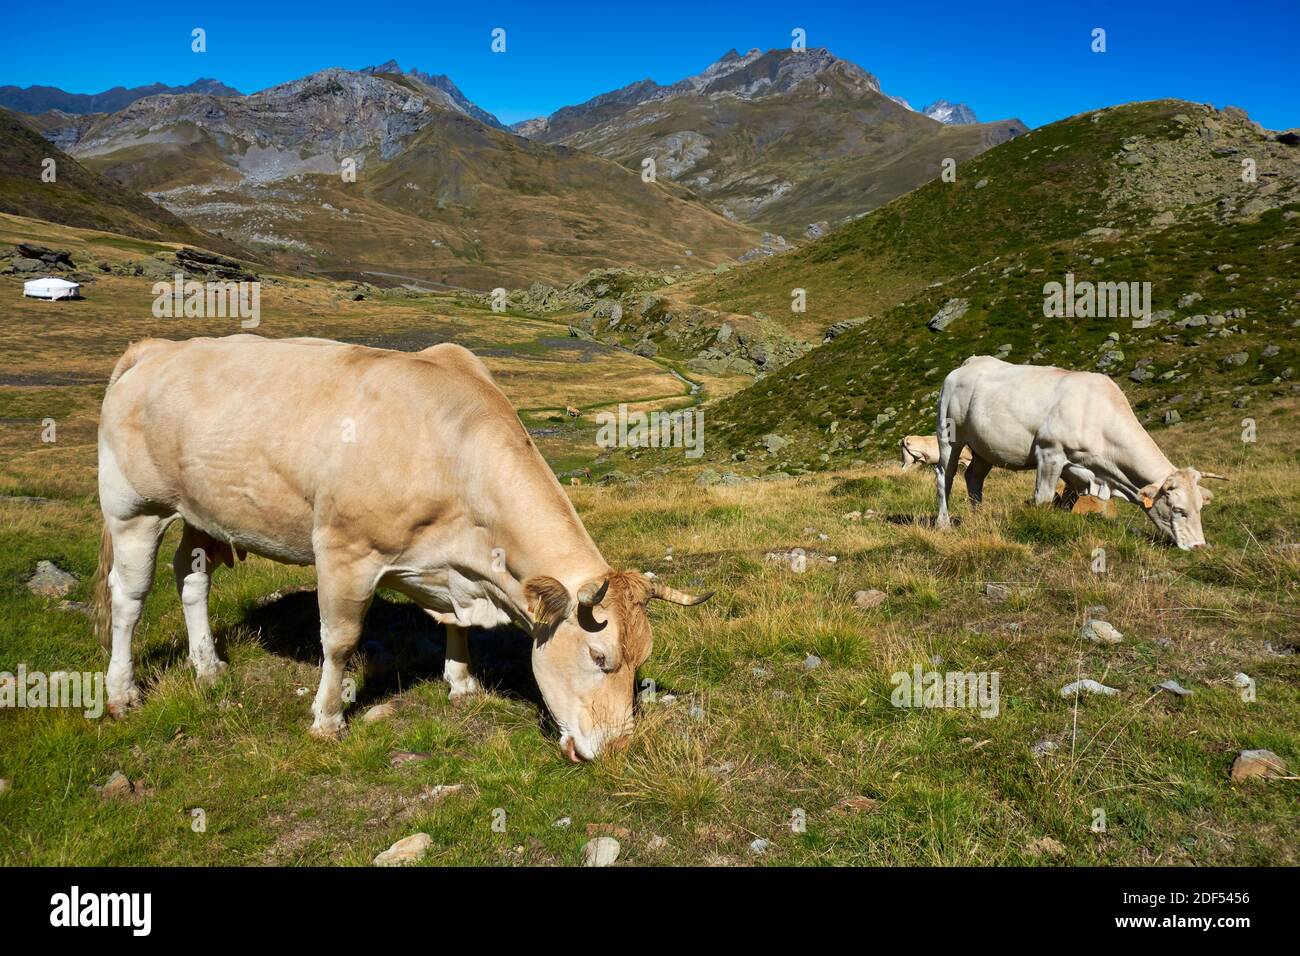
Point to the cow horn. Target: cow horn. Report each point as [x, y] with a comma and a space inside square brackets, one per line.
[592, 593]
[665, 593]
[1210, 474]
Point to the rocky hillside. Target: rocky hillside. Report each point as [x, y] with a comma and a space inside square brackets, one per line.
[441, 88]
[439, 197]
[792, 142]
[1147, 193]
[77, 196]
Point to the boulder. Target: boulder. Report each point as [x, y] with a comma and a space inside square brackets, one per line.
[1257, 764]
[51, 581]
[952, 310]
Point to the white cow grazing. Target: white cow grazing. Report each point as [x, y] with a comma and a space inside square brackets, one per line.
[408, 471]
[1076, 426]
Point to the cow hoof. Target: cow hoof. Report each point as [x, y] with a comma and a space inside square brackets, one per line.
[120, 704]
[210, 674]
[463, 691]
[333, 731]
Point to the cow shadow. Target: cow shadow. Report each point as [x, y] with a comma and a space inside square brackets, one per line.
[400, 646]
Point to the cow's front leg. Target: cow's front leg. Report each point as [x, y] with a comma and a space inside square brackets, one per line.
[1050, 465]
[344, 590]
[456, 667]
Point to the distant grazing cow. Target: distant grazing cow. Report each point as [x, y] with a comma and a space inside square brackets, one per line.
[1075, 426]
[383, 469]
[924, 450]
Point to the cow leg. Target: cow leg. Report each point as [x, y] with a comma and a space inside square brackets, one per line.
[976, 472]
[456, 667]
[135, 555]
[945, 472]
[344, 590]
[197, 556]
[1050, 465]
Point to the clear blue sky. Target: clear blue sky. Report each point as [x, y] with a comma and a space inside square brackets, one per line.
[1025, 59]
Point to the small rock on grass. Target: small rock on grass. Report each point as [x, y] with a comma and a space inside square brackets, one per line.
[607, 829]
[759, 847]
[602, 851]
[405, 851]
[1101, 632]
[1087, 686]
[656, 843]
[380, 712]
[1257, 764]
[997, 593]
[1174, 688]
[120, 787]
[51, 580]
[811, 662]
[400, 758]
[441, 791]
[563, 823]
[1044, 747]
[866, 600]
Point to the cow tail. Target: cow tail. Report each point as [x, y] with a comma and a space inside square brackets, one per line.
[103, 594]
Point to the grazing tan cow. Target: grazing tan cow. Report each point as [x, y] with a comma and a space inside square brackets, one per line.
[409, 471]
[924, 450]
[1076, 426]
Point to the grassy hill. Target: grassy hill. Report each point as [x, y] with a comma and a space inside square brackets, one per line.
[79, 197]
[1065, 199]
[1054, 184]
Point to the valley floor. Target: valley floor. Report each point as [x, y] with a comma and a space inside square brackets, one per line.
[767, 713]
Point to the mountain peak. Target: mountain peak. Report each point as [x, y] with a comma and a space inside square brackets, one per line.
[447, 93]
[951, 114]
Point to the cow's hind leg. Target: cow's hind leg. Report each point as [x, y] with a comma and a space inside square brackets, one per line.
[344, 590]
[456, 667]
[197, 556]
[976, 472]
[135, 555]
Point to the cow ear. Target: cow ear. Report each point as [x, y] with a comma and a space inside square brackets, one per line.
[1148, 495]
[548, 600]
[1206, 495]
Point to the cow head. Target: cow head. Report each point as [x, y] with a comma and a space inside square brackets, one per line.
[1174, 506]
[586, 651]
